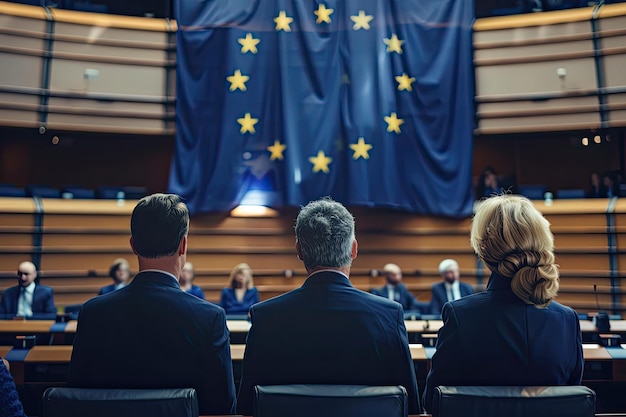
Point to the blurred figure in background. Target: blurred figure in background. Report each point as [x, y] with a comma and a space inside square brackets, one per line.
[119, 273]
[240, 294]
[28, 298]
[395, 290]
[186, 281]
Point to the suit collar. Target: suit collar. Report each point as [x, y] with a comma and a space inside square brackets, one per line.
[325, 277]
[498, 282]
[154, 276]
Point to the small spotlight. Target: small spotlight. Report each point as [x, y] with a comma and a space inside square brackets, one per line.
[585, 141]
[55, 140]
[597, 139]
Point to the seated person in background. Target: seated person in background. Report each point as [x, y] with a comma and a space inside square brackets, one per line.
[28, 298]
[395, 290]
[119, 273]
[596, 188]
[240, 294]
[186, 281]
[513, 333]
[151, 334]
[610, 185]
[490, 183]
[326, 331]
[10, 405]
[450, 289]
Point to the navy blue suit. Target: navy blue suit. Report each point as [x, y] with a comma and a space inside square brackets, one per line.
[43, 303]
[107, 289]
[197, 291]
[404, 297]
[494, 338]
[439, 295]
[152, 334]
[229, 301]
[327, 332]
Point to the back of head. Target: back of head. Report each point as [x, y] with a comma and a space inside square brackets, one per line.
[514, 239]
[325, 233]
[158, 224]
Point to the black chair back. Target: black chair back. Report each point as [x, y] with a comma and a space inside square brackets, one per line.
[553, 401]
[311, 400]
[96, 402]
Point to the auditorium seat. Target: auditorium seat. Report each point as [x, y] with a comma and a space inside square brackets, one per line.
[575, 193]
[532, 191]
[311, 400]
[540, 401]
[42, 191]
[10, 190]
[97, 402]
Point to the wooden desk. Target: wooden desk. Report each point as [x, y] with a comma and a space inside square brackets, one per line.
[23, 370]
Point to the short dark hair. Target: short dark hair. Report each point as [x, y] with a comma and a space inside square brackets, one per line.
[158, 224]
[325, 232]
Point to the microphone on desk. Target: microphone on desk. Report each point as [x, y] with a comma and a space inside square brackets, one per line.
[601, 319]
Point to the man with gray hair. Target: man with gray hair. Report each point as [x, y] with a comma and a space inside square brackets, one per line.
[450, 289]
[326, 331]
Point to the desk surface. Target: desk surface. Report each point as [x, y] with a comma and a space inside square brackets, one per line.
[243, 326]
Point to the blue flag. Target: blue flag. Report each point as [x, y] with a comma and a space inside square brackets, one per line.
[280, 102]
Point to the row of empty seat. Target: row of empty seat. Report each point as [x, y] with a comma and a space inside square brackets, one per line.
[103, 192]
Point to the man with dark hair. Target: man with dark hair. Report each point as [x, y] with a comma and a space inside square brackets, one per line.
[327, 331]
[151, 334]
[28, 298]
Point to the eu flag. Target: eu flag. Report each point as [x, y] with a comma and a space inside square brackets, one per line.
[280, 102]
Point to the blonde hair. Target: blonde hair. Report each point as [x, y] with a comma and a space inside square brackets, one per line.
[242, 268]
[514, 239]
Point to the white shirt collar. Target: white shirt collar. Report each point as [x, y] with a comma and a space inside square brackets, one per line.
[329, 270]
[31, 288]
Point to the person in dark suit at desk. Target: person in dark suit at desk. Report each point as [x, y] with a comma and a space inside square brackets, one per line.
[28, 299]
[450, 289]
[151, 334]
[119, 273]
[395, 290]
[513, 333]
[240, 294]
[326, 331]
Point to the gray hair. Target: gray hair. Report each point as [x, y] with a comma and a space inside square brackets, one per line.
[325, 232]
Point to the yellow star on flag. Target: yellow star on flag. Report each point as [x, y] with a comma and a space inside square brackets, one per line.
[277, 150]
[237, 81]
[393, 122]
[248, 44]
[404, 82]
[361, 21]
[360, 149]
[320, 162]
[323, 14]
[283, 21]
[393, 44]
[247, 123]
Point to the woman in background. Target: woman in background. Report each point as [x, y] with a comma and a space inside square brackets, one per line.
[186, 281]
[119, 273]
[240, 294]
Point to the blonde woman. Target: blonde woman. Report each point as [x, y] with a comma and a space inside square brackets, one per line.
[240, 294]
[514, 333]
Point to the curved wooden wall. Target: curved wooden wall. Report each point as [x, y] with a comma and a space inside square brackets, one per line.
[555, 71]
[74, 242]
[68, 70]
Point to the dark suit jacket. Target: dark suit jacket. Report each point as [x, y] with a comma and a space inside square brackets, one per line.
[229, 301]
[43, 303]
[404, 297]
[494, 338]
[107, 289]
[439, 296]
[152, 334]
[327, 332]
